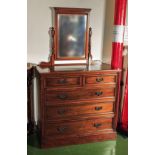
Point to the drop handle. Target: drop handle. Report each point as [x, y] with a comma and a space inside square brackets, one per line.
[96, 125]
[61, 129]
[62, 81]
[61, 111]
[99, 79]
[98, 108]
[98, 93]
[62, 96]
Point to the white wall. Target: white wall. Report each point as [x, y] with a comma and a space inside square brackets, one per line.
[108, 31]
[39, 20]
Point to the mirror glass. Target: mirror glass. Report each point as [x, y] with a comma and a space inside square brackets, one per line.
[71, 35]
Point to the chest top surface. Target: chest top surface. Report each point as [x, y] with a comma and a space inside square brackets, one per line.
[70, 69]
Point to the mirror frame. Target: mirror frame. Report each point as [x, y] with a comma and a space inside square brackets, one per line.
[71, 11]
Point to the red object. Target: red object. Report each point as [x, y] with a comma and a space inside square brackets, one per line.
[117, 49]
[119, 20]
[124, 118]
[120, 12]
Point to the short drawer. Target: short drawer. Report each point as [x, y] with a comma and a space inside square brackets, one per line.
[62, 81]
[100, 79]
[78, 127]
[67, 111]
[79, 94]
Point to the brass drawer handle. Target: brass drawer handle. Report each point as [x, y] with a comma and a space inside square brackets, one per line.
[99, 79]
[61, 129]
[98, 108]
[62, 81]
[61, 111]
[62, 96]
[96, 125]
[98, 93]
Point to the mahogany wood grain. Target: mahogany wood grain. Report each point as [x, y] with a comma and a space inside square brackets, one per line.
[100, 79]
[71, 110]
[77, 105]
[74, 70]
[78, 94]
[76, 102]
[63, 81]
[77, 127]
[81, 117]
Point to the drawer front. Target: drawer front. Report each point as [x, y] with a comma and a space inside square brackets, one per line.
[100, 79]
[81, 94]
[66, 111]
[62, 81]
[78, 127]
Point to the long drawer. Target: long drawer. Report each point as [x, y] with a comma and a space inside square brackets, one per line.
[78, 94]
[77, 127]
[67, 111]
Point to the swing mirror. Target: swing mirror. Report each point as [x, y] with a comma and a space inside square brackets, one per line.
[71, 33]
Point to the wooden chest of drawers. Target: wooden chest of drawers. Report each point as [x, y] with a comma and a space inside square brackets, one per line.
[77, 105]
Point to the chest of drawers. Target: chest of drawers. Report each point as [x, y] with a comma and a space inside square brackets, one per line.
[77, 105]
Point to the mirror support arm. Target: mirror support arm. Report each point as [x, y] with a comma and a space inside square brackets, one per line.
[52, 56]
[89, 46]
